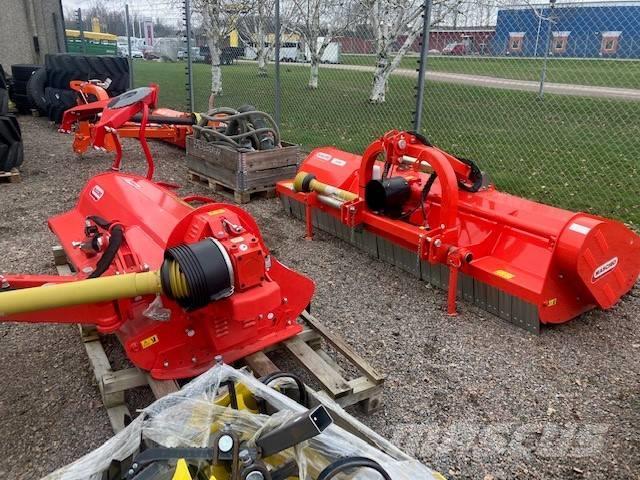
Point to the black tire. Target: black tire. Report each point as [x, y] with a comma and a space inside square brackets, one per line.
[59, 100]
[11, 150]
[23, 103]
[63, 67]
[4, 102]
[4, 82]
[19, 87]
[35, 90]
[22, 72]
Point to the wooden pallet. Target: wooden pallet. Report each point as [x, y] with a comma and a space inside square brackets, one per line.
[112, 383]
[239, 196]
[306, 348]
[10, 177]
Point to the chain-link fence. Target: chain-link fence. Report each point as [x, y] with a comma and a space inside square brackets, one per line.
[546, 98]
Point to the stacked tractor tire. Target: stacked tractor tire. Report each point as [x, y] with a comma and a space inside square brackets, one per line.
[45, 89]
[52, 94]
[11, 153]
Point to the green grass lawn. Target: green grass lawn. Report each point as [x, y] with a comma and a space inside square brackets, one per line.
[574, 152]
[606, 73]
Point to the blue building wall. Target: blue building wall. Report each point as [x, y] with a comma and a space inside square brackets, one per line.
[586, 24]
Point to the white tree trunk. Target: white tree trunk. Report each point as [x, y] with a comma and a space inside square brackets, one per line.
[214, 32]
[216, 73]
[380, 80]
[262, 63]
[313, 77]
[384, 68]
[262, 49]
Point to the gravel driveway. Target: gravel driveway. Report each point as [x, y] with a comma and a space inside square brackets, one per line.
[471, 396]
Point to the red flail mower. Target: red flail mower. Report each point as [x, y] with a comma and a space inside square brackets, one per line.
[179, 285]
[436, 216]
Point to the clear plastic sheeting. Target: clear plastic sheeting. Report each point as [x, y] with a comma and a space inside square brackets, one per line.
[192, 416]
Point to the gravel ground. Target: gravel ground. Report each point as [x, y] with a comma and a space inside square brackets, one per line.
[471, 396]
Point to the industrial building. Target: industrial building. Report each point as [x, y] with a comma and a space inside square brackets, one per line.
[593, 30]
[32, 28]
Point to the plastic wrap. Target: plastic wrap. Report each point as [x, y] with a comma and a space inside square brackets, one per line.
[191, 416]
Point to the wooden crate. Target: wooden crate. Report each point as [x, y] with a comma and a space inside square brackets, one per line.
[306, 349]
[10, 177]
[240, 173]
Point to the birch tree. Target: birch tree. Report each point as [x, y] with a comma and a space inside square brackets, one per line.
[392, 20]
[219, 19]
[320, 19]
[254, 29]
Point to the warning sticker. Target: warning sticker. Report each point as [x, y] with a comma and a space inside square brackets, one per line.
[504, 274]
[97, 192]
[581, 229]
[338, 162]
[323, 156]
[217, 212]
[147, 342]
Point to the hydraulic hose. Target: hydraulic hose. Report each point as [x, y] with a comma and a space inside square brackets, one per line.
[340, 466]
[115, 241]
[245, 123]
[303, 397]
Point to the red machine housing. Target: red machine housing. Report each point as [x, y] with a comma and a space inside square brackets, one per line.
[517, 258]
[157, 334]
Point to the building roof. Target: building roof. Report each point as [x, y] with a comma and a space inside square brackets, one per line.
[445, 29]
[531, 6]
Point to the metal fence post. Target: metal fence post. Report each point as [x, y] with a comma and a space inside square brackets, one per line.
[277, 54]
[81, 30]
[187, 22]
[543, 74]
[128, 29]
[424, 50]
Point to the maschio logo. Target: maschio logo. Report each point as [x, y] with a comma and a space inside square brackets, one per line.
[603, 269]
[97, 192]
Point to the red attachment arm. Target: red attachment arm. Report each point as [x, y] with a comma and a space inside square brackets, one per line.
[114, 118]
[80, 113]
[395, 144]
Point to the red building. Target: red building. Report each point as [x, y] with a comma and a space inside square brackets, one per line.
[475, 39]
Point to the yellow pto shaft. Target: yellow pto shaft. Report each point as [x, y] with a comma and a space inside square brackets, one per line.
[313, 185]
[93, 290]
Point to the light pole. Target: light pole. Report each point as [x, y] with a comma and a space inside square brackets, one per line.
[543, 75]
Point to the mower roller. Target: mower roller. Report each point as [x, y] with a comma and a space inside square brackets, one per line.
[438, 217]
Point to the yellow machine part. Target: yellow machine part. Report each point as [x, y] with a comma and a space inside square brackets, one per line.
[182, 471]
[322, 188]
[92, 290]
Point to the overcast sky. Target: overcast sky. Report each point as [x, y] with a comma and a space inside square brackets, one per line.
[168, 10]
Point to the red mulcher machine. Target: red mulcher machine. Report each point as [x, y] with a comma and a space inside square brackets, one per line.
[179, 285]
[434, 215]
